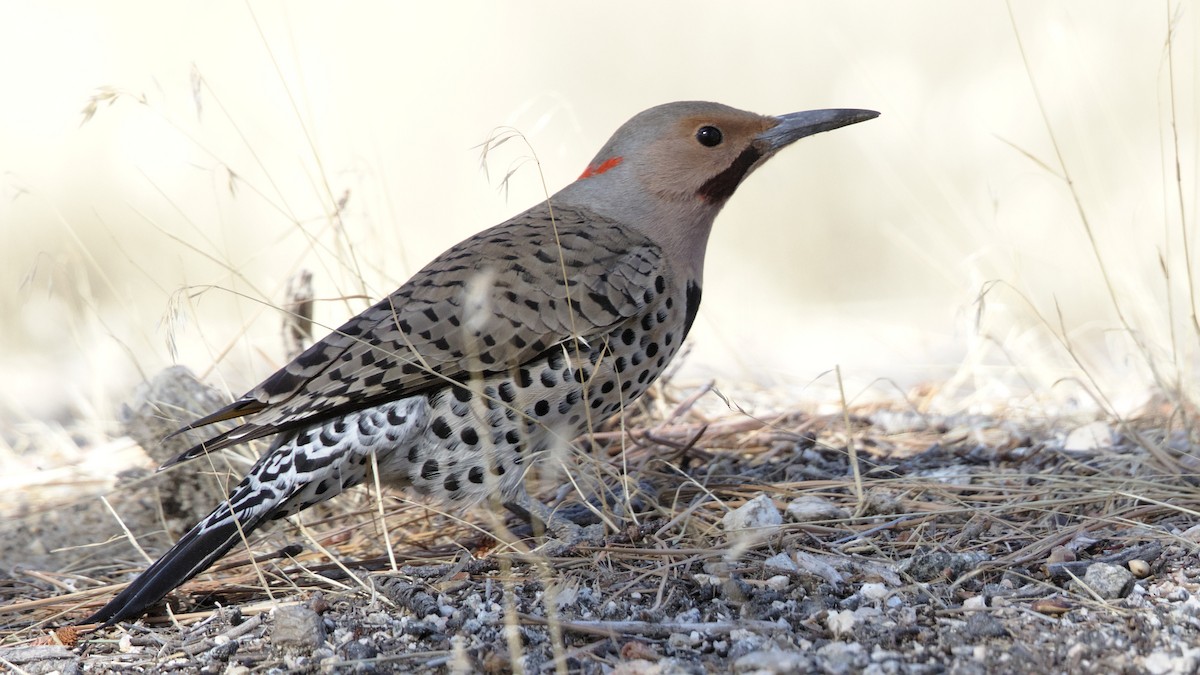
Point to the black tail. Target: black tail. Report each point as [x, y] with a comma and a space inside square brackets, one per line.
[193, 553]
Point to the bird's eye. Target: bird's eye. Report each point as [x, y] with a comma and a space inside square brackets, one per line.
[709, 136]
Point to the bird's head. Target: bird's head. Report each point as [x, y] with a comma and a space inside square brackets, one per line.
[670, 169]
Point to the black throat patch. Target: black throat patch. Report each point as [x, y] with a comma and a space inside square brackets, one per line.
[693, 306]
[721, 186]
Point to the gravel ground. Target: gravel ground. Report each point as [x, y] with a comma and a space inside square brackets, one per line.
[963, 544]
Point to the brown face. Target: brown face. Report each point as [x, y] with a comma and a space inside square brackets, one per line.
[705, 156]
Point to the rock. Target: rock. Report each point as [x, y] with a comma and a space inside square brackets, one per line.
[757, 517]
[815, 566]
[808, 509]
[936, 564]
[773, 662]
[779, 582]
[160, 407]
[873, 592]
[841, 622]
[297, 628]
[780, 562]
[837, 658]
[1107, 581]
[982, 625]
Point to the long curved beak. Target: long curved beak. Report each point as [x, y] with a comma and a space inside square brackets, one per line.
[794, 126]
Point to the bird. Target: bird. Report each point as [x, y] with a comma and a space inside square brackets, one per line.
[510, 342]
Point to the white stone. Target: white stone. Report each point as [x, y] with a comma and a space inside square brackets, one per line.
[757, 516]
[809, 508]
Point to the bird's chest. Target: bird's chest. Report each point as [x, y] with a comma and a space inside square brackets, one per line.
[483, 434]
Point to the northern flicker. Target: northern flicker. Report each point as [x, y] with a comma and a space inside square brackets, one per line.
[511, 341]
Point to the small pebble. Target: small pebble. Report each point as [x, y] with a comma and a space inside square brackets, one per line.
[1107, 581]
[298, 628]
[809, 508]
[757, 517]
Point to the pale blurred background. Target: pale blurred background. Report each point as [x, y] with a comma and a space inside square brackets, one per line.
[126, 245]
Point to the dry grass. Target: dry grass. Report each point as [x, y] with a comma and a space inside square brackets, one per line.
[1014, 485]
[998, 486]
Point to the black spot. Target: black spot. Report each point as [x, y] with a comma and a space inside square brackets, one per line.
[651, 349]
[413, 455]
[643, 376]
[518, 342]
[373, 380]
[524, 379]
[564, 407]
[647, 322]
[429, 469]
[339, 426]
[311, 356]
[462, 394]
[604, 303]
[489, 340]
[620, 364]
[607, 387]
[626, 384]
[668, 339]
[366, 426]
[597, 402]
[549, 378]
[430, 314]
[660, 285]
[322, 487]
[661, 315]
[498, 469]
[440, 428]
[636, 359]
[451, 483]
[513, 437]
[693, 306]
[628, 336]
[541, 408]
[468, 436]
[475, 475]
[670, 302]
[507, 393]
